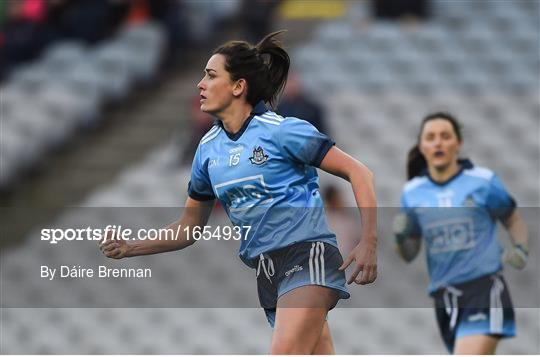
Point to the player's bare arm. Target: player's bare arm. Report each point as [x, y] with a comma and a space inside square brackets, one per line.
[196, 214]
[361, 178]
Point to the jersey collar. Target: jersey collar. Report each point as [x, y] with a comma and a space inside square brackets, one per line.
[258, 109]
[464, 164]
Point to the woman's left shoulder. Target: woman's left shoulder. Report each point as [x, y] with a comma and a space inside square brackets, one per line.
[480, 172]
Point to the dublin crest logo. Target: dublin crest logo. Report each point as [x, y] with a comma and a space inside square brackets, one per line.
[259, 157]
[469, 201]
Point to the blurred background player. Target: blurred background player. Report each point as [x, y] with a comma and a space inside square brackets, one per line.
[453, 206]
[261, 167]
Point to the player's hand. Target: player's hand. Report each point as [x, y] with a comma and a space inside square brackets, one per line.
[112, 247]
[364, 255]
[516, 256]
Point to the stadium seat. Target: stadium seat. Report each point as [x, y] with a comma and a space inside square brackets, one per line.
[31, 77]
[112, 62]
[63, 56]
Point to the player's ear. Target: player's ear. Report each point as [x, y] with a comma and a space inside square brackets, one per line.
[239, 87]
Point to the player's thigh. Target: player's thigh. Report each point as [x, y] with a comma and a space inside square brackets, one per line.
[325, 345]
[300, 318]
[476, 345]
[297, 330]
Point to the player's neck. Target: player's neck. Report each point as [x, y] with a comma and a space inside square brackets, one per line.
[234, 116]
[444, 174]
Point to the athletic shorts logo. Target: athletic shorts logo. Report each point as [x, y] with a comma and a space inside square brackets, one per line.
[477, 317]
[294, 270]
[259, 157]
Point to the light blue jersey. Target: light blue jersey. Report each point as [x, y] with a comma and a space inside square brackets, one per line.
[457, 221]
[265, 177]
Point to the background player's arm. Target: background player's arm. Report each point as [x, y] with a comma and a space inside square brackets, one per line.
[341, 164]
[517, 229]
[196, 214]
[502, 206]
[515, 224]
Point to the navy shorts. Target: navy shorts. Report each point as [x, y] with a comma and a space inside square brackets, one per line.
[301, 264]
[478, 307]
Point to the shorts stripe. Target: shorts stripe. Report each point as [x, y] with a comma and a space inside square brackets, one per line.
[323, 272]
[317, 271]
[495, 307]
[311, 252]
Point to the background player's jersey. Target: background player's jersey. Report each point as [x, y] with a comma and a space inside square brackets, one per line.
[265, 177]
[457, 221]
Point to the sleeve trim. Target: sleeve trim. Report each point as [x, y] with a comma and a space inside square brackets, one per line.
[323, 150]
[198, 197]
[508, 210]
[502, 213]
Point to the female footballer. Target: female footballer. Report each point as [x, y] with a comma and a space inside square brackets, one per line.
[262, 168]
[453, 206]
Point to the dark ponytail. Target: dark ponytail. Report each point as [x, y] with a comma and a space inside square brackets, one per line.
[264, 66]
[278, 62]
[416, 163]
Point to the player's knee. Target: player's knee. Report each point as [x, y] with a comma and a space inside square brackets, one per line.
[324, 346]
[287, 346]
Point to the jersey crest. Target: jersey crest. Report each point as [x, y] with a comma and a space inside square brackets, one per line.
[469, 201]
[259, 157]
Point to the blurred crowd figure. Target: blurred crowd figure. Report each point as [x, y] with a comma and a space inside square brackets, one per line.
[296, 103]
[401, 9]
[257, 17]
[31, 25]
[218, 21]
[28, 26]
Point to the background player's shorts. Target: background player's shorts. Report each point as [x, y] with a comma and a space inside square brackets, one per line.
[478, 307]
[301, 264]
